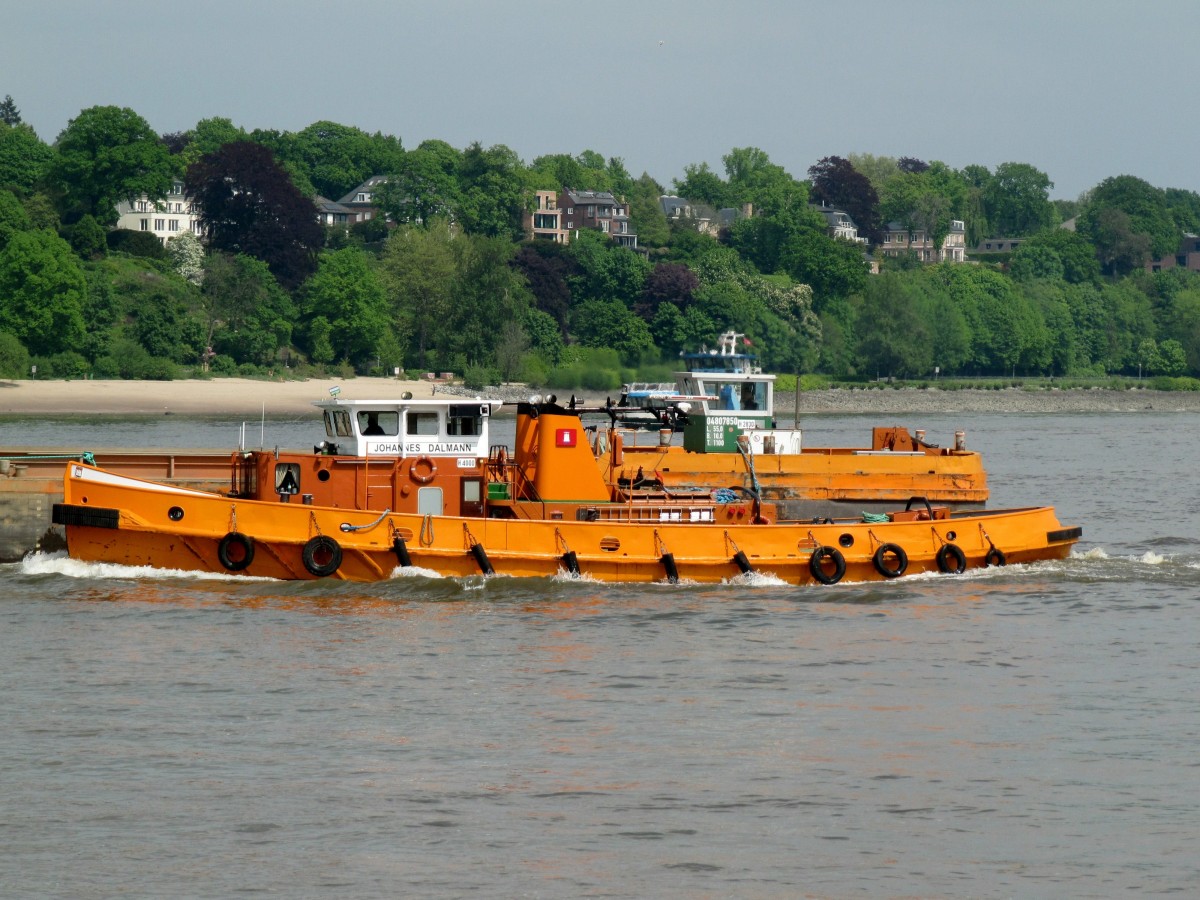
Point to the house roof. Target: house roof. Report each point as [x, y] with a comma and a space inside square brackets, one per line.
[599, 197]
[367, 187]
[325, 205]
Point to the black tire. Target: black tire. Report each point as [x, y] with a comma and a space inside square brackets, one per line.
[322, 556]
[995, 557]
[881, 565]
[951, 559]
[816, 564]
[236, 551]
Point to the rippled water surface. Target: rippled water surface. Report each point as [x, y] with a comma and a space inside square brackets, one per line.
[1018, 732]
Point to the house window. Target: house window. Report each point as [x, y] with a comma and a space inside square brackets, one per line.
[360, 198]
[160, 224]
[173, 225]
[145, 224]
[570, 210]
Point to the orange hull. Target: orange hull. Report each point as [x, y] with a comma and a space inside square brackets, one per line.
[109, 518]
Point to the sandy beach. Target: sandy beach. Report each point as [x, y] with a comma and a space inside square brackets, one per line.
[249, 397]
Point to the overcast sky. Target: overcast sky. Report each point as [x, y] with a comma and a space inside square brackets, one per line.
[1081, 89]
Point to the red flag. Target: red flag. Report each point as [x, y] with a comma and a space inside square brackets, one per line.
[564, 437]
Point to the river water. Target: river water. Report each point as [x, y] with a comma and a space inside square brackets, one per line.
[1021, 732]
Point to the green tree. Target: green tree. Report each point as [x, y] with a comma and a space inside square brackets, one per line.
[1035, 262]
[701, 184]
[1179, 320]
[87, 238]
[493, 192]
[832, 268]
[336, 158]
[9, 114]
[893, 340]
[42, 293]
[42, 213]
[646, 214]
[1171, 358]
[347, 292]
[487, 293]
[879, 170]
[13, 217]
[1121, 248]
[1184, 207]
[248, 316]
[1075, 254]
[209, 136]
[136, 243]
[107, 154]
[1146, 214]
[24, 158]
[418, 271]
[606, 271]
[1017, 200]
[587, 171]
[609, 323]
[14, 358]
[424, 186]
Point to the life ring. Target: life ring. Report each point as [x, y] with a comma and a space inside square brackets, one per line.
[816, 564]
[322, 555]
[422, 461]
[995, 557]
[951, 552]
[883, 568]
[235, 551]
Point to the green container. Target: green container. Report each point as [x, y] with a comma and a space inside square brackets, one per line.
[497, 490]
[711, 434]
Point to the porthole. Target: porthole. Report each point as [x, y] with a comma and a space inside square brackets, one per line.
[846, 540]
[951, 535]
[323, 475]
[175, 513]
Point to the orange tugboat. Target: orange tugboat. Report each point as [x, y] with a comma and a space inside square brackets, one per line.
[415, 483]
[725, 406]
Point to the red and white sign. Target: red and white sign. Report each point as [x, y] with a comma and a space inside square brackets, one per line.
[564, 437]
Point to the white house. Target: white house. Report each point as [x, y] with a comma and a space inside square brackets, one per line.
[165, 218]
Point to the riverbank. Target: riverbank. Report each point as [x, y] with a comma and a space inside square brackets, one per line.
[243, 397]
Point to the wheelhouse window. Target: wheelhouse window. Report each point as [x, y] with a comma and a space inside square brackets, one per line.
[423, 423]
[337, 423]
[741, 395]
[464, 421]
[379, 422]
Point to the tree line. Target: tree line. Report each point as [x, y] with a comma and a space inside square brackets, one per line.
[445, 280]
